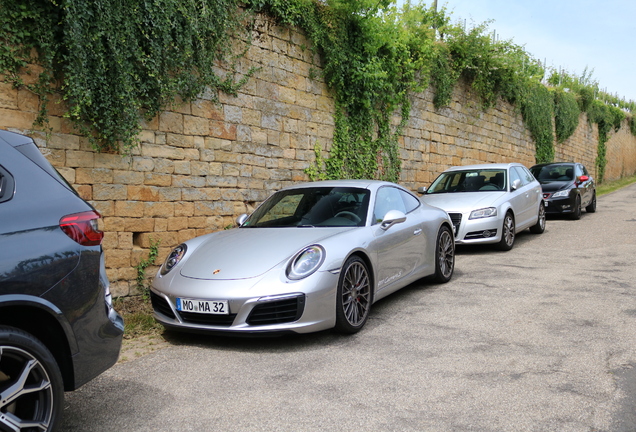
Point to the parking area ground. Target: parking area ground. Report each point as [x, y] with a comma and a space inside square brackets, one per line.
[541, 338]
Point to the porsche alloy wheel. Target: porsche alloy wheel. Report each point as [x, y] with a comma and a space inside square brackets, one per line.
[31, 390]
[444, 256]
[353, 301]
[507, 233]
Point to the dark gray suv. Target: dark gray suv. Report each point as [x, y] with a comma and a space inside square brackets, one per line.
[58, 328]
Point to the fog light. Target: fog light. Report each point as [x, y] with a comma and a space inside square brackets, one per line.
[487, 234]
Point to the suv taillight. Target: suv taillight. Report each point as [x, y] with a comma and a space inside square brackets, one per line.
[82, 228]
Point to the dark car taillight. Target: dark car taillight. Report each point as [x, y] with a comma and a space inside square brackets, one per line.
[82, 228]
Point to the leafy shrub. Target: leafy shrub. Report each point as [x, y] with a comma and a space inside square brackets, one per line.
[566, 114]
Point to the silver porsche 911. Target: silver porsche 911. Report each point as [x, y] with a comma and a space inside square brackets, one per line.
[311, 257]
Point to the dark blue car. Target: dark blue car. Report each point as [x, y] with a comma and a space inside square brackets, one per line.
[58, 329]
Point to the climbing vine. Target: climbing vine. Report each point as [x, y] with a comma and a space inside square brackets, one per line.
[566, 114]
[116, 62]
[374, 57]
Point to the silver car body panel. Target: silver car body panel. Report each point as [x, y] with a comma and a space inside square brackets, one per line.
[247, 266]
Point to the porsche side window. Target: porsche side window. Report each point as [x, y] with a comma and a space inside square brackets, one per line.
[410, 202]
[387, 198]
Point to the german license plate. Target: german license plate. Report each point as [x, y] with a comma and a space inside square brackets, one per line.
[214, 307]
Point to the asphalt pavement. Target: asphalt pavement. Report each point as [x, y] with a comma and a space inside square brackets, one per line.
[540, 338]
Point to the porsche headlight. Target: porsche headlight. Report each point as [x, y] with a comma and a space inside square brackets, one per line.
[483, 213]
[306, 262]
[173, 259]
[561, 193]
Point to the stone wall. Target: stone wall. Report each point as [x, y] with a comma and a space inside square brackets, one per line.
[202, 164]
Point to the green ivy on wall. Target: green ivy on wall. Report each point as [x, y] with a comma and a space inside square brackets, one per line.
[566, 114]
[114, 62]
[374, 57]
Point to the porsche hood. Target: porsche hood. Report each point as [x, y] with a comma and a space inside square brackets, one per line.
[245, 253]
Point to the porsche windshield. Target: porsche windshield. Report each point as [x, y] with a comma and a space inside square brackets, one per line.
[312, 207]
[469, 181]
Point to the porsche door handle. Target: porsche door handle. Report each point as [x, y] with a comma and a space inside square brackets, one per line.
[417, 231]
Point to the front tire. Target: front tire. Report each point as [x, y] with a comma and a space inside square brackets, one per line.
[539, 227]
[591, 208]
[31, 388]
[353, 301]
[444, 256]
[507, 233]
[576, 212]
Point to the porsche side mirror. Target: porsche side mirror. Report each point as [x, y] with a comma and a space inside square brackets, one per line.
[421, 189]
[241, 219]
[515, 185]
[391, 218]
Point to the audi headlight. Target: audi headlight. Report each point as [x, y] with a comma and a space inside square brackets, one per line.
[173, 259]
[483, 213]
[561, 193]
[306, 262]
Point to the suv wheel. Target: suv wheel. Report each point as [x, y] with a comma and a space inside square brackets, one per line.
[31, 388]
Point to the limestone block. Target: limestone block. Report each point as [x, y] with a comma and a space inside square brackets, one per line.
[112, 161]
[183, 209]
[181, 181]
[105, 208]
[171, 122]
[183, 167]
[129, 209]
[145, 240]
[109, 192]
[170, 194]
[158, 209]
[136, 225]
[92, 175]
[161, 151]
[116, 258]
[187, 140]
[142, 193]
[126, 177]
[220, 181]
[222, 130]
[156, 179]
